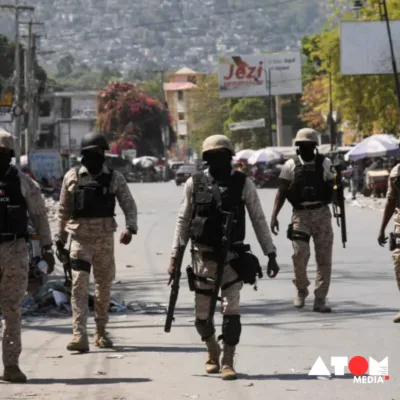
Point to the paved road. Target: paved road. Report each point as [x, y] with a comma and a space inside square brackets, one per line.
[279, 344]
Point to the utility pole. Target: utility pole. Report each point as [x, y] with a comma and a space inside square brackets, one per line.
[385, 17]
[31, 97]
[271, 105]
[164, 128]
[279, 120]
[17, 109]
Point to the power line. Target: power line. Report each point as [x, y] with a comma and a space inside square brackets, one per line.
[177, 20]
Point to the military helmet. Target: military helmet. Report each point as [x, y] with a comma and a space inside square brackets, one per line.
[7, 141]
[92, 140]
[218, 142]
[306, 135]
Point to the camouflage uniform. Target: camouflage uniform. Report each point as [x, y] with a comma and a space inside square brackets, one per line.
[395, 195]
[207, 268]
[92, 240]
[14, 272]
[315, 223]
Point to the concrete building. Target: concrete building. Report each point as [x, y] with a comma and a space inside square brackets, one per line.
[64, 118]
[180, 102]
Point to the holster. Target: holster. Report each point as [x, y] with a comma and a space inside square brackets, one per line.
[394, 241]
[246, 266]
[294, 235]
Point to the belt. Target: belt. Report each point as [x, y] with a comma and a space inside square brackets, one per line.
[9, 237]
[310, 207]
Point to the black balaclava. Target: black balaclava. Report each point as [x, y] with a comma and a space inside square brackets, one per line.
[220, 163]
[93, 161]
[307, 151]
[5, 162]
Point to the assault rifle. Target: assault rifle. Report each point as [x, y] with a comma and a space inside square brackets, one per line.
[338, 203]
[221, 260]
[174, 279]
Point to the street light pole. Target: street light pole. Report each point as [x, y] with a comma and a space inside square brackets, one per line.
[331, 121]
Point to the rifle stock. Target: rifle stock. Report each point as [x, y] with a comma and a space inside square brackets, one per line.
[174, 279]
[226, 239]
[339, 210]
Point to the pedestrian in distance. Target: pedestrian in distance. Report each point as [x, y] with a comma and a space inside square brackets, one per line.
[211, 197]
[20, 196]
[86, 211]
[307, 183]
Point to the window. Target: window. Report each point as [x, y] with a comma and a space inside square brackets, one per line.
[45, 108]
[66, 107]
[181, 116]
[180, 95]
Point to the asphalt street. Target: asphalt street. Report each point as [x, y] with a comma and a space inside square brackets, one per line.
[279, 343]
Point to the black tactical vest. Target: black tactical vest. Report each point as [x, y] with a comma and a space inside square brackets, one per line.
[93, 197]
[206, 223]
[309, 184]
[13, 207]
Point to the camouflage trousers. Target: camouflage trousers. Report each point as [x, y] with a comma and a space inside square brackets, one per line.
[318, 225]
[206, 268]
[396, 257]
[13, 286]
[99, 252]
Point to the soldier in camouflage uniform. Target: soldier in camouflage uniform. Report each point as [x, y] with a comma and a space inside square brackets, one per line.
[200, 223]
[307, 182]
[86, 211]
[393, 207]
[19, 196]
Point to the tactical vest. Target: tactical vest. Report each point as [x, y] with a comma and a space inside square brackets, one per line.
[13, 208]
[396, 183]
[309, 184]
[206, 223]
[93, 197]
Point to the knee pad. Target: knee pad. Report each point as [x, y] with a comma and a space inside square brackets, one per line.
[231, 329]
[205, 330]
[80, 265]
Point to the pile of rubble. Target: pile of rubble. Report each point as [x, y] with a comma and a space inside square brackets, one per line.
[51, 207]
[54, 299]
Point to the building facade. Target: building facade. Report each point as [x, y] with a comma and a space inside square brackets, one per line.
[179, 96]
[64, 118]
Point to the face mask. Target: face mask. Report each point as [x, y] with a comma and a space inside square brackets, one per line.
[220, 165]
[307, 152]
[93, 162]
[5, 161]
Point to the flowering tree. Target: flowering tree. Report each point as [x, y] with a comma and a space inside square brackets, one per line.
[132, 119]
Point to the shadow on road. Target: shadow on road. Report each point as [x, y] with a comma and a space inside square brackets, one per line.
[152, 349]
[290, 377]
[281, 377]
[85, 381]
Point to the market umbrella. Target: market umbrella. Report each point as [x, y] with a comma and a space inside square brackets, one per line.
[374, 146]
[244, 154]
[264, 156]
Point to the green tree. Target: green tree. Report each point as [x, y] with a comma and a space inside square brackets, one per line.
[248, 109]
[207, 111]
[366, 103]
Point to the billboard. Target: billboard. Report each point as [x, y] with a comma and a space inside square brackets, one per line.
[262, 75]
[364, 47]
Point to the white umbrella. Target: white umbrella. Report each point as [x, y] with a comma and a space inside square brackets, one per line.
[264, 156]
[244, 154]
[374, 146]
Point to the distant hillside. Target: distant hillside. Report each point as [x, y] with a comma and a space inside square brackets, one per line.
[170, 33]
